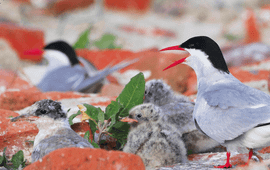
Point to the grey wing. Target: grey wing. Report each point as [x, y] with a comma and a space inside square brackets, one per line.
[101, 75]
[62, 79]
[231, 110]
[88, 66]
[67, 138]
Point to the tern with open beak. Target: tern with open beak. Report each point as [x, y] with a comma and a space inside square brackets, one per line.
[233, 114]
[54, 129]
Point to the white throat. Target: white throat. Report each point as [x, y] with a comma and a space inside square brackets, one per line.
[48, 127]
[56, 59]
[203, 68]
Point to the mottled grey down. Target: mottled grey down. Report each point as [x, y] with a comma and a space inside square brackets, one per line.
[177, 110]
[64, 138]
[158, 144]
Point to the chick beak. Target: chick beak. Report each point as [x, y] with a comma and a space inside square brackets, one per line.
[176, 62]
[25, 117]
[129, 120]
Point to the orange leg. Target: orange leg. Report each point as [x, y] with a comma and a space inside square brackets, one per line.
[249, 157]
[227, 165]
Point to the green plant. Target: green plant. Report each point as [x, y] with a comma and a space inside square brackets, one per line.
[17, 160]
[83, 41]
[107, 41]
[108, 122]
[231, 37]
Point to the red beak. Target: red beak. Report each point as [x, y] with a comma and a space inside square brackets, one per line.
[176, 62]
[33, 52]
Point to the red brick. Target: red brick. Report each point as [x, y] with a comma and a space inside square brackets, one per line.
[17, 100]
[62, 95]
[252, 28]
[62, 6]
[81, 128]
[246, 76]
[22, 39]
[85, 158]
[176, 77]
[10, 80]
[265, 150]
[128, 5]
[14, 135]
[242, 75]
[111, 90]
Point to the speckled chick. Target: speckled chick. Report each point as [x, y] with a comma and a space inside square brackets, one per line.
[177, 110]
[157, 144]
[159, 93]
[54, 129]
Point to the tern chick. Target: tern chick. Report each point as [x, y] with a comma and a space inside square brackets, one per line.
[159, 93]
[158, 144]
[54, 130]
[177, 111]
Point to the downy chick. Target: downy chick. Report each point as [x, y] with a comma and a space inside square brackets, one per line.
[158, 144]
[54, 129]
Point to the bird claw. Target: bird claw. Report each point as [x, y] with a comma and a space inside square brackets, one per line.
[227, 165]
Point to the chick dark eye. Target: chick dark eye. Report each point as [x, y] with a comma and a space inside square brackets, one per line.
[43, 111]
[139, 116]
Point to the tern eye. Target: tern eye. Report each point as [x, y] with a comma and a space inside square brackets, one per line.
[139, 116]
[43, 111]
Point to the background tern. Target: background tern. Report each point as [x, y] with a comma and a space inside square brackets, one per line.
[65, 73]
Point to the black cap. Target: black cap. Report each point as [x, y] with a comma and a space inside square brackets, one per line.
[210, 48]
[50, 108]
[65, 48]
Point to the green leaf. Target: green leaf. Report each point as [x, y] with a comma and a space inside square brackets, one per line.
[119, 130]
[1, 160]
[83, 40]
[93, 126]
[18, 159]
[4, 159]
[94, 144]
[68, 110]
[92, 111]
[101, 117]
[86, 135]
[132, 95]
[122, 143]
[107, 41]
[73, 116]
[114, 119]
[112, 109]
